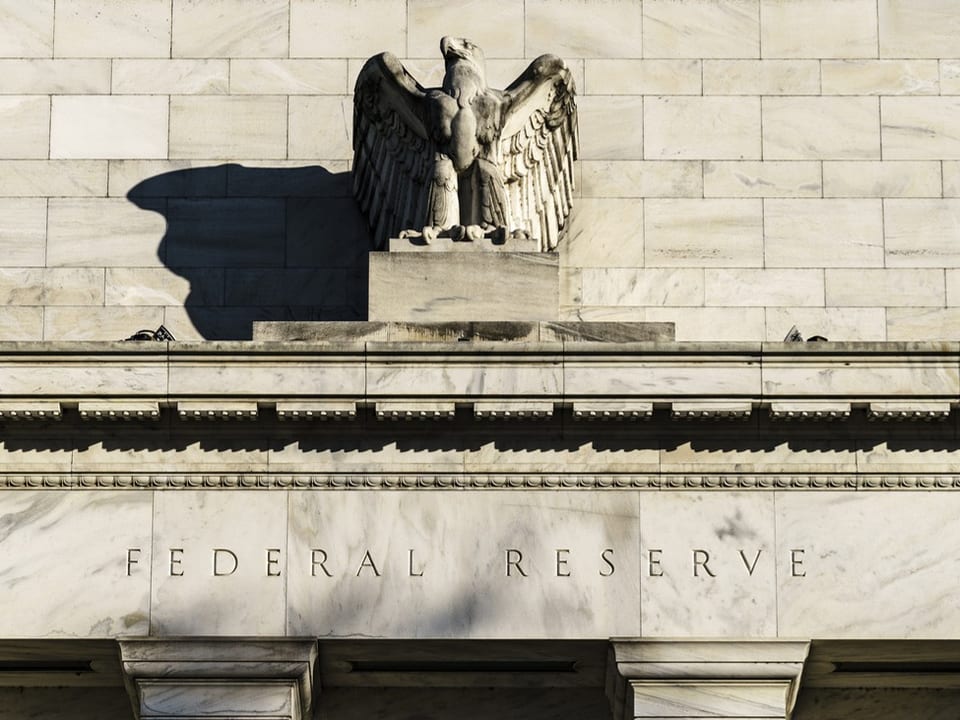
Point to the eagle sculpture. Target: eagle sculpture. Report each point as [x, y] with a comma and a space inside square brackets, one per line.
[464, 160]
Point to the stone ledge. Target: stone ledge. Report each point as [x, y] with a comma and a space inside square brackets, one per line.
[892, 381]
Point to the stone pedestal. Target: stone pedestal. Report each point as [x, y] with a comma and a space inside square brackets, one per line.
[456, 286]
[194, 679]
[697, 679]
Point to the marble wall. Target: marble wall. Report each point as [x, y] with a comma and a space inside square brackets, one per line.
[486, 564]
[183, 162]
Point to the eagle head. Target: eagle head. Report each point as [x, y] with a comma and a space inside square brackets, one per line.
[456, 50]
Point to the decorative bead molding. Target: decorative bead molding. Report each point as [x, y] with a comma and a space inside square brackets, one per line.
[30, 411]
[710, 410]
[117, 410]
[204, 410]
[800, 411]
[476, 481]
[317, 410]
[513, 410]
[613, 410]
[415, 410]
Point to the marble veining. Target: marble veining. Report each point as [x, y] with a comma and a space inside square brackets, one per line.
[877, 565]
[59, 551]
[544, 565]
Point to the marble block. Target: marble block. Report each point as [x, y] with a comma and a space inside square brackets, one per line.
[95, 28]
[871, 566]
[822, 128]
[708, 565]
[108, 126]
[435, 287]
[230, 28]
[36, 376]
[347, 28]
[711, 29]
[920, 128]
[27, 29]
[63, 557]
[193, 375]
[509, 565]
[390, 372]
[219, 561]
[636, 371]
[818, 28]
[928, 376]
[919, 28]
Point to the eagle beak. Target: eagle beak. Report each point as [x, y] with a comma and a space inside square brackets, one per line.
[445, 43]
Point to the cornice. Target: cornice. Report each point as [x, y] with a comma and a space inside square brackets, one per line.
[225, 381]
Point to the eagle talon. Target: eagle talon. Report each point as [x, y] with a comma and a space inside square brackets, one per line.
[430, 233]
[474, 233]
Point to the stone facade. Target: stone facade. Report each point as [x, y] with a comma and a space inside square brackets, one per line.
[781, 145]
[601, 488]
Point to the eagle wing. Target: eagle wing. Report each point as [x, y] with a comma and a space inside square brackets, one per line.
[538, 145]
[392, 148]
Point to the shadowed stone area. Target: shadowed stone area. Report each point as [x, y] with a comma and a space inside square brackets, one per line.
[463, 331]
[260, 243]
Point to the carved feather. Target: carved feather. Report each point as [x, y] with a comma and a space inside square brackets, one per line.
[391, 147]
[498, 159]
[538, 145]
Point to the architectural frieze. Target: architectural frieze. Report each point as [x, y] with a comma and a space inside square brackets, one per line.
[474, 481]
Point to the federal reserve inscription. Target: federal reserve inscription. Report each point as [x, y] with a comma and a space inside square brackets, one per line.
[698, 563]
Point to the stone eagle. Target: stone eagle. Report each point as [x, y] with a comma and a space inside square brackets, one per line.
[464, 160]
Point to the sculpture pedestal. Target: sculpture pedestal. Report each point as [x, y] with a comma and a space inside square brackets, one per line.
[445, 286]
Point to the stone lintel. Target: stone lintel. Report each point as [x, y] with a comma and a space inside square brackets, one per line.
[696, 678]
[275, 679]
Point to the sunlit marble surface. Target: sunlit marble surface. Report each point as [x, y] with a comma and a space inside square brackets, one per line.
[62, 562]
[707, 565]
[443, 568]
[218, 563]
